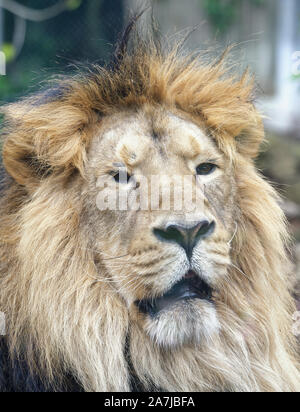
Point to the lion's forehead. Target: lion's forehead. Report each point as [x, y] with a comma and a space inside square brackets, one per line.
[137, 137]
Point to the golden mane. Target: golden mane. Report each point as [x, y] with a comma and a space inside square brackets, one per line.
[63, 321]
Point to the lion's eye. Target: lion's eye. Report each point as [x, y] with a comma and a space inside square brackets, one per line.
[121, 177]
[206, 168]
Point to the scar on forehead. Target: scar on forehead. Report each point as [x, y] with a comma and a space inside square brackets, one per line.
[128, 156]
[132, 150]
[188, 147]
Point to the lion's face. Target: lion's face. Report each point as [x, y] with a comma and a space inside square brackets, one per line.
[164, 259]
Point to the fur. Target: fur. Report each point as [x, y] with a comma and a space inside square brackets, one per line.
[64, 317]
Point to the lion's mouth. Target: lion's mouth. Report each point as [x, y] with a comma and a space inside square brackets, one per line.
[191, 286]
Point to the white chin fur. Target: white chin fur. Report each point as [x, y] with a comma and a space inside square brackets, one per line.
[188, 322]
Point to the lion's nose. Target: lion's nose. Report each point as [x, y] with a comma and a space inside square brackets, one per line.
[187, 236]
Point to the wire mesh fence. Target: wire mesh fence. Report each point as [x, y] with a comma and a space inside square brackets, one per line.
[40, 38]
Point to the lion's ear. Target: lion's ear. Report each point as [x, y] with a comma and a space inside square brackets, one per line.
[40, 139]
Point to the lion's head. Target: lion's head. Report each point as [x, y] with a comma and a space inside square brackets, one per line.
[165, 260]
[180, 298]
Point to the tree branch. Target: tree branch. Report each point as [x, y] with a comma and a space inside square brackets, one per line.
[19, 34]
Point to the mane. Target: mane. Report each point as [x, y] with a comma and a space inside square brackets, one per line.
[62, 316]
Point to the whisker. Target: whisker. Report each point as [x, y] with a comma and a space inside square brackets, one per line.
[105, 254]
[116, 257]
[237, 268]
[234, 234]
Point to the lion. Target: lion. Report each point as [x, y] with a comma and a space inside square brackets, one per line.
[145, 298]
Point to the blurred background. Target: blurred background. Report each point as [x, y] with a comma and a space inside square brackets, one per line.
[41, 37]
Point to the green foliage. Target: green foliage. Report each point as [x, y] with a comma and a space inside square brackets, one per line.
[223, 13]
[9, 50]
[220, 14]
[73, 4]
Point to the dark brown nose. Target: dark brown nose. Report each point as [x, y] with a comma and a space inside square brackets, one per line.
[187, 236]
